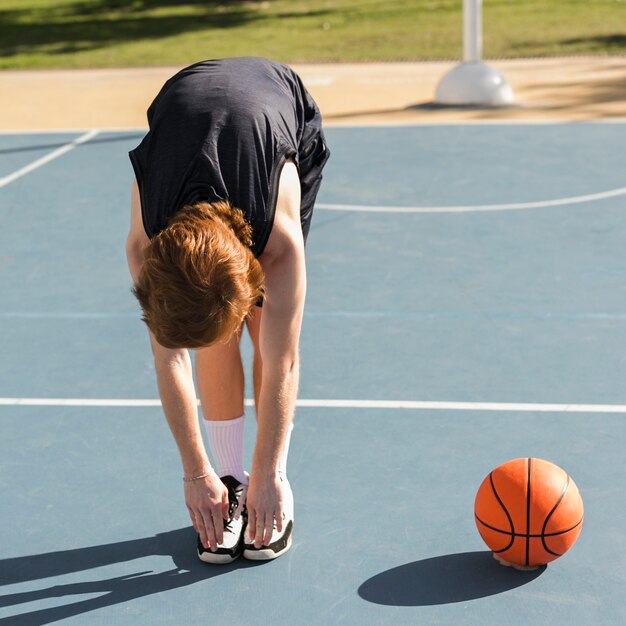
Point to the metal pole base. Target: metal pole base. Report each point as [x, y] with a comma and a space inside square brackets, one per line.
[474, 84]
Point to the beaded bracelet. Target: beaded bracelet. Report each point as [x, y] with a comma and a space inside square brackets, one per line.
[194, 478]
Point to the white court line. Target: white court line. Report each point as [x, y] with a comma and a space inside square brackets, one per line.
[392, 314]
[70, 131]
[348, 125]
[516, 206]
[339, 124]
[47, 158]
[345, 404]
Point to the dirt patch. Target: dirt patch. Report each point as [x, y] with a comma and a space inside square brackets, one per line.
[579, 88]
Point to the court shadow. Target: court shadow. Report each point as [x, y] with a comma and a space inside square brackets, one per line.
[178, 544]
[444, 580]
[402, 113]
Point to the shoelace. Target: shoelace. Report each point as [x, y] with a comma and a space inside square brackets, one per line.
[234, 510]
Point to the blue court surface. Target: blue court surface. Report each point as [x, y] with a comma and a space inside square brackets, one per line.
[466, 306]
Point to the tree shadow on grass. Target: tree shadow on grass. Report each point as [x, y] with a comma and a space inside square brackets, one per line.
[179, 544]
[585, 44]
[599, 43]
[444, 580]
[88, 25]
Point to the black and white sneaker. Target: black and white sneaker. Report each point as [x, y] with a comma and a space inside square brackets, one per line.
[232, 544]
[280, 542]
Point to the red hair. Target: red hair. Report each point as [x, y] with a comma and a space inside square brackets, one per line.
[199, 279]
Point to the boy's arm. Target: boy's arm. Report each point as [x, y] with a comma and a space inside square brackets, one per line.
[285, 289]
[207, 498]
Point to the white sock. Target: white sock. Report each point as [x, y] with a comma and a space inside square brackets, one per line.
[282, 462]
[226, 445]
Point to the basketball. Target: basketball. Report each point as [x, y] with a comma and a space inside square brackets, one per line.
[529, 512]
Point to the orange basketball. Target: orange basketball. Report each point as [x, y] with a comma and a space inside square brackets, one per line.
[529, 512]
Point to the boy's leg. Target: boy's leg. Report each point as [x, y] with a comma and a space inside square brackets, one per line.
[253, 322]
[219, 374]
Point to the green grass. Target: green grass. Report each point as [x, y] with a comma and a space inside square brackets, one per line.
[114, 33]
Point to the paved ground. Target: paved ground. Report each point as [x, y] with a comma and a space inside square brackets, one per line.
[508, 289]
[552, 89]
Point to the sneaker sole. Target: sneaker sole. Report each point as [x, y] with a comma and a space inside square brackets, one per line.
[265, 554]
[216, 559]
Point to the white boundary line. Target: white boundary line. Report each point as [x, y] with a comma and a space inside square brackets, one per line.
[345, 404]
[510, 122]
[390, 314]
[339, 124]
[516, 206]
[621, 191]
[73, 131]
[47, 158]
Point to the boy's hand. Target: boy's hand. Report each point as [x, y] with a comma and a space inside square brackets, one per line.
[265, 503]
[207, 503]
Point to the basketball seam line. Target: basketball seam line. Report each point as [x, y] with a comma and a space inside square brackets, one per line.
[545, 523]
[532, 535]
[528, 514]
[508, 515]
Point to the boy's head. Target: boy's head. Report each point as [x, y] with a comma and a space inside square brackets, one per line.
[199, 278]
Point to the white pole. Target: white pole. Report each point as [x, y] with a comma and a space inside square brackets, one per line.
[473, 83]
[472, 30]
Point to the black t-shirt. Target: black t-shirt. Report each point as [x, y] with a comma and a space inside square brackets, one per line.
[222, 129]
